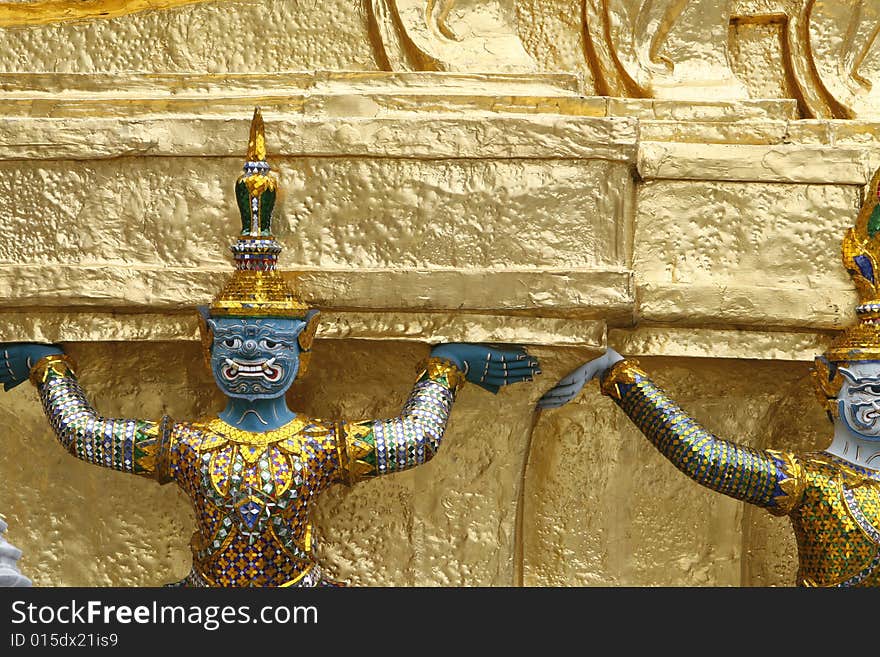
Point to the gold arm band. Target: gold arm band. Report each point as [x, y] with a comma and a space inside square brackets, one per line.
[623, 371]
[60, 364]
[162, 471]
[436, 368]
[793, 484]
[353, 446]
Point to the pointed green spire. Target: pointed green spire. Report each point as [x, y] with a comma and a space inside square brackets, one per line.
[255, 189]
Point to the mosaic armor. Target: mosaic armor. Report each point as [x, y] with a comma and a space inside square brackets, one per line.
[252, 492]
[833, 504]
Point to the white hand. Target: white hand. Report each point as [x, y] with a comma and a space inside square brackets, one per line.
[9, 556]
[569, 386]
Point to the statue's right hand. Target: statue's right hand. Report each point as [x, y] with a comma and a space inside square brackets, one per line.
[17, 359]
[570, 385]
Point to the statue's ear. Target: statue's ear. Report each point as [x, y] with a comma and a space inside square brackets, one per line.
[206, 332]
[307, 335]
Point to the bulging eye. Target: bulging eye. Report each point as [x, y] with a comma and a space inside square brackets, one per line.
[269, 344]
[232, 343]
[866, 390]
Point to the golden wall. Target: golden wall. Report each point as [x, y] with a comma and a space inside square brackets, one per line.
[668, 178]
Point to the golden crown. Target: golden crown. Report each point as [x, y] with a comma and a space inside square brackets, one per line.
[256, 289]
[861, 255]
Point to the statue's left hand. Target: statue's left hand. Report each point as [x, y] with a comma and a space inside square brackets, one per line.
[17, 359]
[489, 367]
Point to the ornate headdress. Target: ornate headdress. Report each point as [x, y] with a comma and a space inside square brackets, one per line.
[861, 257]
[256, 289]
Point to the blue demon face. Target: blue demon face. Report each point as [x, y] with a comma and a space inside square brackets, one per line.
[255, 358]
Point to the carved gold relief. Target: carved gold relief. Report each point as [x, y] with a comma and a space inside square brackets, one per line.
[832, 52]
[448, 35]
[823, 53]
[654, 48]
[843, 40]
[661, 49]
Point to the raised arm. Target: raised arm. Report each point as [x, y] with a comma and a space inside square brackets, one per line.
[766, 478]
[135, 446]
[377, 447]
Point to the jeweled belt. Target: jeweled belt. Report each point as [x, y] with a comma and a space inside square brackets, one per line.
[311, 576]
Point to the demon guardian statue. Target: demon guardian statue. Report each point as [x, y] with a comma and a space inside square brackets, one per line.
[253, 471]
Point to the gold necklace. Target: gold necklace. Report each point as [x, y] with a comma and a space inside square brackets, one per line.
[223, 429]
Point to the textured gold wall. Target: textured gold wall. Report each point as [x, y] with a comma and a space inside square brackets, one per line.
[671, 179]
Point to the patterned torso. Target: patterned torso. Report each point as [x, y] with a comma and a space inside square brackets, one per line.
[252, 494]
[837, 523]
[833, 505]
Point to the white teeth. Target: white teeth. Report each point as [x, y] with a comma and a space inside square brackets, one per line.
[250, 369]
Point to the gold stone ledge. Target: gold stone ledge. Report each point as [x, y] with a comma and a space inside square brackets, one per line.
[862, 133]
[101, 326]
[719, 343]
[703, 110]
[790, 163]
[430, 136]
[759, 131]
[313, 94]
[374, 104]
[87, 85]
[802, 132]
[343, 105]
[367, 95]
[114, 287]
[743, 305]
